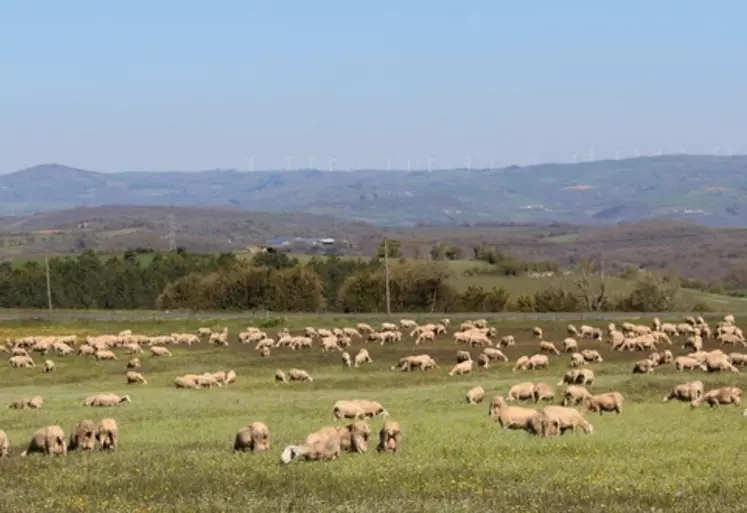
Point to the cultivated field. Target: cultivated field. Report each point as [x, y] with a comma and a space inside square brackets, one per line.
[176, 446]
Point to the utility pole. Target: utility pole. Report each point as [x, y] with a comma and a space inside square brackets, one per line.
[49, 284]
[386, 276]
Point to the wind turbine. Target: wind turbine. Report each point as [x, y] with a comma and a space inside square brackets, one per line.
[637, 151]
[468, 162]
[288, 162]
[250, 163]
[330, 161]
[617, 154]
[591, 154]
[311, 162]
[431, 160]
[491, 164]
[408, 165]
[575, 157]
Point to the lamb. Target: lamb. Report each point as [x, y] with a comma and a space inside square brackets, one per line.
[724, 395]
[106, 399]
[542, 424]
[264, 352]
[685, 392]
[49, 441]
[475, 395]
[300, 375]
[135, 377]
[390, 437]
[509, 417]
[610, 401]
[254, 438]
[48, 365]
[578, 377]
[462, 368]
[107, 434]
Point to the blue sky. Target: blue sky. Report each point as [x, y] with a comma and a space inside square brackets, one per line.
[189, 85]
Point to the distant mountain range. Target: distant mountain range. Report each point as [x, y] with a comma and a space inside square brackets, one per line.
[709, 190]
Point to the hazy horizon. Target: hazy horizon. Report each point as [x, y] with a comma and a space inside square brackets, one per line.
[192, 86]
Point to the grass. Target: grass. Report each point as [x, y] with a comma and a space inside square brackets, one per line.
[176, 454]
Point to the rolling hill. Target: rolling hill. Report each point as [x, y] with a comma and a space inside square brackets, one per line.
[708, 190]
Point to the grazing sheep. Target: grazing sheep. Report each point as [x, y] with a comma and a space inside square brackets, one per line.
[4, 445]
[724, 395]
[682, 363]
[646, 366]
[354, 437]
[685, 392]
[106, 399]
[494, 354]
[463, 356]
[83, 436]
[362, 357]
[36, 402]
[105, 355]
[107, 434]
[592, 356]
[134, 363]
[49, 441]
[347, 410]
[254, 438]
[475, 395]
[280, 376]
[542, 424]
[321, 445]
[462, 368]
[483, 361]
[347, 361]
[230, 377]
[21, 362]
[300, 375]
[610, 401]
[537, 332]
[578, 377]
[48, 365]
[186, 382]
[577, 360]
[509, 417]
[19, 404]
[159, 351]
[134, 378]
[537, 361]
[719, 363]
[543, 392]
[390, 437]
[575, 394]
[569, 419]
[570, 344]
[522, 392]
[548, 347]
[371, 408]
[264, 352]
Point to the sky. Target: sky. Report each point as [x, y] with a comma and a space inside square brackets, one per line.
[195, 85]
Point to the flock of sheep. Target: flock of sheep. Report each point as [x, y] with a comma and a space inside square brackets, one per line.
[328, 442]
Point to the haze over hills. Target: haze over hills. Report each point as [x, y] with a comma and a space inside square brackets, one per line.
[708, 190]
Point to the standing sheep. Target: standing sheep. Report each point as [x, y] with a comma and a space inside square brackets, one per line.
[462, 368]
[159, 351]
[300, 375]
[83, 436]
[49, 441]
[390, 437]
[509, 417]
[475, 395]
[106, 434]
[48, 365]
[361, 358]
[685, 392]
[610, 401]
[280, 376]
[135, 377]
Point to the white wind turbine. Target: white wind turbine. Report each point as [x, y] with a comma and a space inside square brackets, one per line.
[468, 162]
[311, 162]
[250, 163]
[409, 167]
[431, 160]
[491, 164]
[330, 161]
[288, 162]
[591, 154]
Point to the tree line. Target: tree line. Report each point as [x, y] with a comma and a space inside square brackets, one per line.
[142, 279]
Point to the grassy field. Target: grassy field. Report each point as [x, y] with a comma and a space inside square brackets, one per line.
[175, 452]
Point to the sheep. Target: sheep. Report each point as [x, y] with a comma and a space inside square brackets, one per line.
[48, 365]
[321, 445]
[463, 356]
[36, 402]
[422, 362]
[104, 355]
[568, 419]
[134, 363]
[107, 434]
[462, 368]
[682, 363]
[538, 361]
[687, 392]
[347, 410]
[724, 395]
[537, 332]
[592, 356]
[719, 362]
[569, 345]
[507, 340]
[83, 436]
[106, 399]
[578, 377]
[49, 441]
[572, 331]
[494, 354]
[21, 362]
[390, 437]
[610, 401]
[738, 359]
[254, 438]
[300, 375]
[134, 378]
[475, 395]
[207, 380]
[159, 351]
[575, 394]
[509, 417]
[347, 361]
[370, 408]
[280, 376]
[19, 404]
[4, 445]
[548, 347]
[523, 392]
[354, 437]
[646, 366]
[542, 424]
[230, 377]
[362, 357]
[577, 360]
[543, 392]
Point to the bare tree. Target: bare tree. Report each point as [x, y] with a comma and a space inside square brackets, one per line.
[591, 283]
